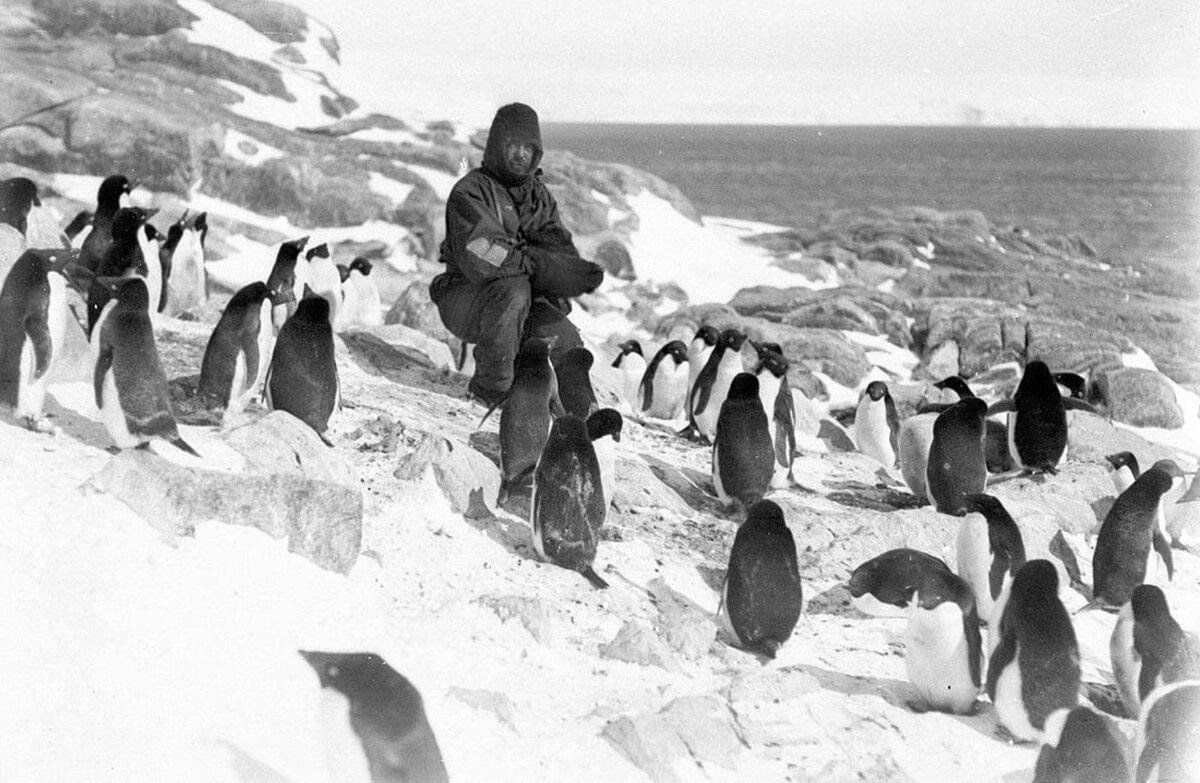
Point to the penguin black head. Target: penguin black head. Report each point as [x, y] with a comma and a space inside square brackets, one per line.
[343, 272]
[894, 576]
[112, 188]
[579, 358]
[766, 347]
[81, 220]
[17, 197]
[988, 505]
[1037, 378]
[174, 234]
[677, 351]
[128, 220]
[291, 249]
[771, 361]
[744, 387]
[970, 407]
[151, 232]
[1036, 581]
[956, 385]
[131, 293]
[1168, 467]
[731, 340]
[535, 350]
[605, 421]
[630, 346]
[936, 587]
[362, 265]
[568, 430]
[200, 225]
[766, 512]
[352, 674]
[1149, 606]
[1123, 459]
[317, 251]
[877, 390]
[313, 308]
[708, 334]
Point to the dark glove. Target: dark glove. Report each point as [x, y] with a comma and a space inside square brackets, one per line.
[561, 275]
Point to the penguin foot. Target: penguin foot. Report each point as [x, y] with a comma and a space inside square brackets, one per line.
[917, 705]
[1004, 735]
[113, 450]
[594, 578]
[42, 425]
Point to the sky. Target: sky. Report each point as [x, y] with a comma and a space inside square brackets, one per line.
[1067, 62]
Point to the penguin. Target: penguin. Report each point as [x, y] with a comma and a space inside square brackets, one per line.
[186, 282]
[1149, 649]
[884, 585]
[604, 430]
[1125, 470]
[664, 386]
[283, 279]
[1167, 746]
[238, 352]
[375, 722]
[942, 646]
[525, 414]
[568, 505]
[913, 442]
[990, 553]
[324, 280]
[698, 351]
[573, 373]
[763, 596]
[94, 247]
[33, 327]
[128, 380]
[712, 384]
[632, 365]
[166, 258]
[124, 257]
[955, 384]
[1130, 537]
[775, 393]
[303, 376]
[876, 424]
[75, 228]
[18, 195]
[1071, 384]
[743, 458]
[995, 439]
[1081, 746]
[1183, 517]
[1035, 668]
[1037, 421]
[148, 241]
[956, 466]
[361, 304]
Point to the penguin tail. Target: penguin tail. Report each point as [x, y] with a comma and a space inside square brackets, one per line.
[594, 578]
[768, 647]
[183, 445]
[691, 432]
[325, 440]
[1049, 468]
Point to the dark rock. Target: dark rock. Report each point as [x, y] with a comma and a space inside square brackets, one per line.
[889, 252]
[1071, 346]
[414, 309]
[1140, 397]
[128, 17]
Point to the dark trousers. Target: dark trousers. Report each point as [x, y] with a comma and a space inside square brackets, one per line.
[497, 317]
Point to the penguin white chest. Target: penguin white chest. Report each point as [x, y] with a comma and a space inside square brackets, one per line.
[1126, 663]
[31, 392]
[936, 657]
[730, 366]
[872, 433]
[975, 560]
[360, 302]
[1010, 705]
[154, 272]
[606, 456]
[633, 367]
[344, 754]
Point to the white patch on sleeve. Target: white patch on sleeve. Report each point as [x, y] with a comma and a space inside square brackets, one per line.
[488, 250]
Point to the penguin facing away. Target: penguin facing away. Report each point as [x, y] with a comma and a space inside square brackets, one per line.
[1034, 670]
[712, 384]
[303, 376]
[1081, 745]
[995, 443]
[743, 456]
[573, 373]
[884, 585]
[1037, 422]
[663, 389]
[775, 393]
[1130, 540]
[604, 430]
[568, 506]
[33, 326]
[763, 596]
[1149, 649]
[943, 655]
[128, 380]
[632, 365]
[1166, 747]
[383, 711]
[124, 257]
[956, 465]
[877, 425]
[238, 352]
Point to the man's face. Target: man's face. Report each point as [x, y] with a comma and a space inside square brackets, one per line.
[518, 157]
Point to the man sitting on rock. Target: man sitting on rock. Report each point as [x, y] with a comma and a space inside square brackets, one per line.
[510, 262]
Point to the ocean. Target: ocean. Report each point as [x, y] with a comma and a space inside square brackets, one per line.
[1133, 194]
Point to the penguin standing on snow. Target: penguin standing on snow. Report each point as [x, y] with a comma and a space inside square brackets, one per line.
[1037, 422]
[632, 365]
[129, 383]
[568, 505]
[1035, 668]
[283, 280]
[94, 247]
[33, 326]
[238, 352]
[775, 393]
[664, 387]
[375, 727]
[1130, 542]
[303, 376]
[361, 304]
[877, 425]
[763, 596]
[698, 351]
[1149, 649]
[604, 429]
[124, 257]
[525, 414]
[990, 553]
[573, 370]
[1081, 745]
[956, 466]
[1166, 747]
[712, 385]
[743, 458]
[942, 646]
[884, 585]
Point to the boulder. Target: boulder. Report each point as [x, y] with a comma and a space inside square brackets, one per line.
[636, 643]
[412, 343]
[469, 480]
[1070, 346]
[614, 257]
[1091, 438]
[321, 520]
[281, 443]
[1140, 397]
[678, 743]
[415, 309]
[839, 313]
[531, 613]
[767, 702]
[685, 627]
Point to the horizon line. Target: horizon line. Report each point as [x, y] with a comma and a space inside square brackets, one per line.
[959, 126]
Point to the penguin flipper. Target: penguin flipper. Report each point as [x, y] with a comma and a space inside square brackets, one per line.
[250, 351]
[103, 364]
[1001, 657]
[974, 645]
[1002, 406]
[1076, 404]
[38, 332]
[698, 399]
[1163, 548]
[493, 407]
[594, 578]
[183, 445]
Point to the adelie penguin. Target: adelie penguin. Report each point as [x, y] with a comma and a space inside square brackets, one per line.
[94, 248]
[712, 385]
[990, 553]
[569, 505]
[1081, 746]
[1148, 648]
[33, 326]
[995, 441]
[187, 279]
[885, 585]
[1034, 671]
[361, 304]
[775, 393]
[1037, 421]
[763, 596]
[604, 429]
[283, 280]
[128, 380]
[664, 387]
[573, 370]
[324, 280]
[632, 365]
[373, 720]
[1130, 541]
[743, 457]
[877, 425]
[1166, 745]
[124, 257]
[303, 376]
[943, 651]
[956, 466]
[699, 349]
[18, 196]
[238, 353]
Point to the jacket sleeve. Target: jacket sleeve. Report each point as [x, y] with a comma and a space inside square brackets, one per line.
[481, 247]
[558, 269]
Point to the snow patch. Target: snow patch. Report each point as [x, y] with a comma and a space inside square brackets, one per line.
[440, 181]
[235, 141]
[402, 136]
[389, 188]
